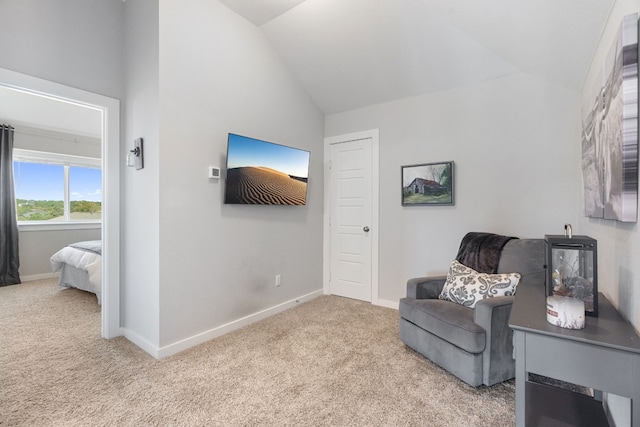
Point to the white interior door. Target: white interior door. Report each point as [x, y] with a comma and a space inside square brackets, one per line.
[350, 219]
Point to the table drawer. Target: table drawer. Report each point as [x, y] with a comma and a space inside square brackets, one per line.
[601, 368]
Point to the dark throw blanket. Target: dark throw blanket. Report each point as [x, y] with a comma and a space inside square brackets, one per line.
[481, 251]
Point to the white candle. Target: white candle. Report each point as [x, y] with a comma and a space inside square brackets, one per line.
[565, 312]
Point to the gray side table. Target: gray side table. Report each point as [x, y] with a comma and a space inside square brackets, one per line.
[605, 356]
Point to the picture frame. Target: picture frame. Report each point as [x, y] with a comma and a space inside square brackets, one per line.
[610, 132]
[428, 184]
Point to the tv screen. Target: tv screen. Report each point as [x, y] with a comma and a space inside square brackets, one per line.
[264, 173]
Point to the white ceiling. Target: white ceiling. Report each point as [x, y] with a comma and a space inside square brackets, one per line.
[27, 110]
[260, 12]
[353, 53]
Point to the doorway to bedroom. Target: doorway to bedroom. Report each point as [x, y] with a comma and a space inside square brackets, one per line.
[43, 107]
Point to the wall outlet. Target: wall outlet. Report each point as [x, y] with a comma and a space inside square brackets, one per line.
[277, 280]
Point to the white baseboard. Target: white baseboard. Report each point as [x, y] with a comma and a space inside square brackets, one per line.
[386, 303]
[34, 277]
[141, 342]
[182, 345]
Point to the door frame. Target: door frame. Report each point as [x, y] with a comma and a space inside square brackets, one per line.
[110, 136]
[372, 134]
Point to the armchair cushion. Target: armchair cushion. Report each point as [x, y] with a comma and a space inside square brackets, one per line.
[451, 322]
[466, 287]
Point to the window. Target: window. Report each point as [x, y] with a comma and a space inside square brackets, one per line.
[57, 188]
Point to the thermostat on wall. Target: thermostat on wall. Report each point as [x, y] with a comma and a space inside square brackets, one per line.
[214, 172]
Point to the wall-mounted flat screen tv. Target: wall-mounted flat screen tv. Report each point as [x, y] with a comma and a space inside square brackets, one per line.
[264, 173]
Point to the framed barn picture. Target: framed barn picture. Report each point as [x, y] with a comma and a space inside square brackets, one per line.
[427, 184]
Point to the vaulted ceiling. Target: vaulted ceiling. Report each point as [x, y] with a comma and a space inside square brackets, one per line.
[353, 53]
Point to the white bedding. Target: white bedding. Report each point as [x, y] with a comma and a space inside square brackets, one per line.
[72, 256]
[95, 272]
[88, 261]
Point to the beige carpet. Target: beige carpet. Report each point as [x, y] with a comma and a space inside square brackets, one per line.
[328, 362]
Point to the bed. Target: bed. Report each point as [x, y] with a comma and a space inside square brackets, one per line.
[80, 266]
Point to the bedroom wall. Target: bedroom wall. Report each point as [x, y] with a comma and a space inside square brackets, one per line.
[618, 243]
[140, 226]
[37, 246]
[512, 143]
[218, 262]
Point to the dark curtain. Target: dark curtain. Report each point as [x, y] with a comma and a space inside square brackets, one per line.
[9, 257]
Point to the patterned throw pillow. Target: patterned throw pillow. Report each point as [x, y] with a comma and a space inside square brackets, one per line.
[466, 286]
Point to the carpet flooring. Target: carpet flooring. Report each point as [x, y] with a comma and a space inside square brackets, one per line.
[328, 362]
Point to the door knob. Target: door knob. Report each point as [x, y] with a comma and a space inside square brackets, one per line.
[366, 229]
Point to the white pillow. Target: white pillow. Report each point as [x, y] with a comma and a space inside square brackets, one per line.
[466, 286]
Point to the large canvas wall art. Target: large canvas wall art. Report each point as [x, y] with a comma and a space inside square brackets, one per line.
[610, 132]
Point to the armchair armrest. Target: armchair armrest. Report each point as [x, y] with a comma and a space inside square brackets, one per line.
[425, 287]
[492, 314]
[484, 311]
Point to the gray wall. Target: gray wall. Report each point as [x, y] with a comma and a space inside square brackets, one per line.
[140, 191]
[72, 42]
[515, 170]
[218, 74]
[37, 246]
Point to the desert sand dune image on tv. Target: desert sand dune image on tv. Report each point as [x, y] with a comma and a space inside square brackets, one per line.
[264, 173]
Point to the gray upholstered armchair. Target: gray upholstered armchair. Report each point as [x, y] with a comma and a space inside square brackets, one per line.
[473, 344]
